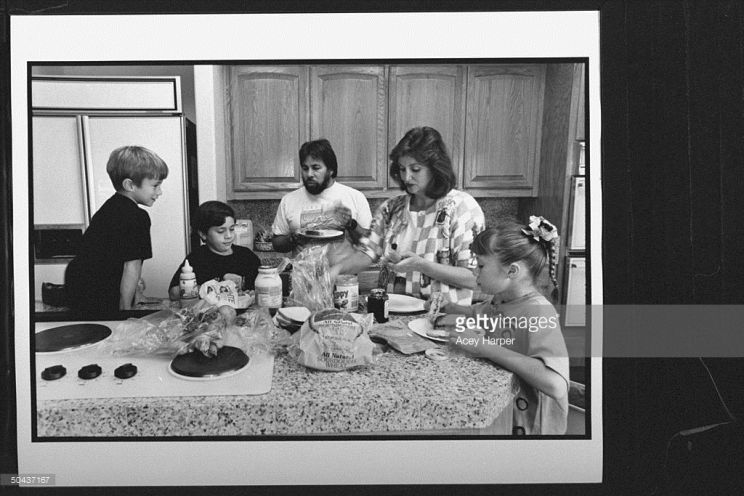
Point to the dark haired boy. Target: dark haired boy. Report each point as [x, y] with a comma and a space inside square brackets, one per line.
[103, 276]
[215, 223]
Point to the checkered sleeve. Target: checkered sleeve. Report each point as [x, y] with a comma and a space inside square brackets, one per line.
[372, 244]
[467, 223]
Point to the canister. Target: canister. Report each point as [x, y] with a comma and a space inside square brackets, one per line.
[377, 303]
[346, 295]
[268, 288]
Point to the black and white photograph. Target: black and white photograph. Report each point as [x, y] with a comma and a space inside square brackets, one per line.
[513, 155]
[281, 250]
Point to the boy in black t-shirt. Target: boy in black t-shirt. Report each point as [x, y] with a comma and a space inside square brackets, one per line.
[215, 223]
[103, 276]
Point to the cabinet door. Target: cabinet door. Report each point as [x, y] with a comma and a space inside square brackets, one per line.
[577, 235]
[425, 95]
[348, 109]
[503, 128]
[576, 292]
[267, 123]
[59, 193]
[168, 216]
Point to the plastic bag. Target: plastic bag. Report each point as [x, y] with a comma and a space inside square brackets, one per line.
[333, 340]
[254, 332]
[312, 287]
[197, 327]
[400, 337]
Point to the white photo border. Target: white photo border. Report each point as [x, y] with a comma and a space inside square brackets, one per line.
[274, 37]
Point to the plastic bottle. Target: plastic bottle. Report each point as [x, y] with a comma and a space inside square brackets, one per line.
[187, 284]
[269, 289]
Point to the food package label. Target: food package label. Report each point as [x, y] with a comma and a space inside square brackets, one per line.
[333, 344]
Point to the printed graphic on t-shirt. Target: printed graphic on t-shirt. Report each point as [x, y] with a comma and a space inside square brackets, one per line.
[315, 218]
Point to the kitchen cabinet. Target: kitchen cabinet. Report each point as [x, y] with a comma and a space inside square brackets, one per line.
[349, 110]
[575, 314]
[77, 123]
[489, 115]
[267, 122]
[428, 95]
[577, 226]
[503, 128]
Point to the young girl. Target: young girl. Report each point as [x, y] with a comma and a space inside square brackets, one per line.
[215, 223]
[522, 331]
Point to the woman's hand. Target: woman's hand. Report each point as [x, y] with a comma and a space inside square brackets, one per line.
[409, 262]
[341, 215]
[334, 272]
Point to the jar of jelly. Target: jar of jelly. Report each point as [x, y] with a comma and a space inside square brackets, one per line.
[377, 303]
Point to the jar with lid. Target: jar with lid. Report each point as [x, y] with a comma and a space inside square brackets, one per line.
[268, 289]
[346, 295]
[377, 303]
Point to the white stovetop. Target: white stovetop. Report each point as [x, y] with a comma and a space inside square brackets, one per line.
[153, 377]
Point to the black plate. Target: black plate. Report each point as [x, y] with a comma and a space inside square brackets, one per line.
[196, 364]
[69, 337]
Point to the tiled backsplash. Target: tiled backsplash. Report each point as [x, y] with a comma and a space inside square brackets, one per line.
[262, 212]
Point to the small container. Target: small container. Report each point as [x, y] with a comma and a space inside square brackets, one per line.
[377, 303]
[346, 295]
[187, 285]
[443, 256]
[268, 289]
[244, 233]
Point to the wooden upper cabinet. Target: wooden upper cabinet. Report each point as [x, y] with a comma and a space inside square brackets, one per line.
[267, 122]
[348, 109]
[428, 95]
[503, 128]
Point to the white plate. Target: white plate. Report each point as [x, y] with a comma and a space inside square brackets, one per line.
[297, 315]
[399, 303]
[321, 233]
[421, 326]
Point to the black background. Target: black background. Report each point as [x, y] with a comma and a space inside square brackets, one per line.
[672, 95]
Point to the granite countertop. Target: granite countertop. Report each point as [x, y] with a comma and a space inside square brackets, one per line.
[406, 394]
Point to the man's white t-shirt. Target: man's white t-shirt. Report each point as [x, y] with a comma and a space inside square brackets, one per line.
[301, 210]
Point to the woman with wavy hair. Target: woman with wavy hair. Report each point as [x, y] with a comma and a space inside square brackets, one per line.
[423, 236]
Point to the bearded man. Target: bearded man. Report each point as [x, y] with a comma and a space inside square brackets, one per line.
[321, 203]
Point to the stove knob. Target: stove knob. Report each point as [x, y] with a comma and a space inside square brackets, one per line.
[90, 371]
[125, 371]
[53, 373]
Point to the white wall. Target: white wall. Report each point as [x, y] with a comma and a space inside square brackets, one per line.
[210, 139]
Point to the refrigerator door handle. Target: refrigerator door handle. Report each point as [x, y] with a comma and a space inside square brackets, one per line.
[82, 124]
[88, 176]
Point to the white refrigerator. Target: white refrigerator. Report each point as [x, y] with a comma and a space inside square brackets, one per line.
[77, 123]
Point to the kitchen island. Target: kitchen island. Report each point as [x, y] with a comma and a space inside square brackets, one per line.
[398, 395]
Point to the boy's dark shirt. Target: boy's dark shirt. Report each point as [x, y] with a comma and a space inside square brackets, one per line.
[118, 232]
[208, 265]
